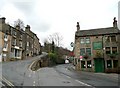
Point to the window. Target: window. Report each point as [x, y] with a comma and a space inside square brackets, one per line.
[107, 50]
[14, 41]
[5, 45]
[32, 45]
[5, 36]
[14, 33]
[109, 64]
[88, 51]
[82, 40]
[115, 63]
[87, 40]
[27, 43]
[89, 64]
[108, 38]
[82, 51]
[113, 38]
[12, 49]
[114, 50]
[20, 44]
[83, 64]
[20, 36]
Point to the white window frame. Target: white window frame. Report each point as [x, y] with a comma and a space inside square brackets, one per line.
[82, 40]
[27, 43]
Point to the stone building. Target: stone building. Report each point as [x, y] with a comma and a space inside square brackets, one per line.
[5, 40]
[29, 38]
[32, 46]
[98, 49]
[37, 46]
[17, 44]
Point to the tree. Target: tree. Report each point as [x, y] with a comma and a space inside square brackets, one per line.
[57, 38]
[19, 23]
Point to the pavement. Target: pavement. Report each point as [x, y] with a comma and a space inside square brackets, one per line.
[111, 75]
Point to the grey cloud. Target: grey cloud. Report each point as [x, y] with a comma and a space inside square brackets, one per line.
[26, 6]
[40, 27]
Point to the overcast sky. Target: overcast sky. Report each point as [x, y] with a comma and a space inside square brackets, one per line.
[49, 16]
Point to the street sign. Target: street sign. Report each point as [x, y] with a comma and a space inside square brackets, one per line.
[72, 44]
[81, 57]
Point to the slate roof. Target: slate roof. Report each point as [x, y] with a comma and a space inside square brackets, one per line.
[98, 31]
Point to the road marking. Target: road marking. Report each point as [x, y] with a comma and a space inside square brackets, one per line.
[68, 76]
[29, 75]
[33, 81]
[2, 84]
[8, 82]
[34, 72]
[31, 64]
[83, 83]
[38, 70]
[33, 84]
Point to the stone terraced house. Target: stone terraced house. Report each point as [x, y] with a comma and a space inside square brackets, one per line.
[97, 50]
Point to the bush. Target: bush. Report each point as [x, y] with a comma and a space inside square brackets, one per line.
[52, 57]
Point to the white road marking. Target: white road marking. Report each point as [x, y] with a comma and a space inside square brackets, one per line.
[8, 82]
[33, 84]
[29, 75]
[34, 72]
[2, 84]
[33, 81]
[38, 69]
[83, 83]
[68, 76]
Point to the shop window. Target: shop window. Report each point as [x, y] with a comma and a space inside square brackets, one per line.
[107, 50]
[83, 64]
[109, 64]
[115, 63]
[89, 64]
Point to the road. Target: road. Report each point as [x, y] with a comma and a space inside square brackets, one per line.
[19, 74]
[90, 78]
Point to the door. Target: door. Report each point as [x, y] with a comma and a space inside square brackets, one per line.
[99, 64]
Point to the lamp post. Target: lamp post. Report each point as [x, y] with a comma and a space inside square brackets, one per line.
[73, 45]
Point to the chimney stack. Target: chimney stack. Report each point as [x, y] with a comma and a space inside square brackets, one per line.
[115, 22]
[2, 20]
[28, 27]
[78, 26]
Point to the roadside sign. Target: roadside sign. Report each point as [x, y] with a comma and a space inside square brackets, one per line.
[81, 57]
[72, 44]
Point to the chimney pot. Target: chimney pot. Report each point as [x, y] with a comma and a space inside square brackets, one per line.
[2, 20]
[78, 26]
[115, 22]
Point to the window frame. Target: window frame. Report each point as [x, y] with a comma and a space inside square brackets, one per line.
[107, 51]
[82, 40]
[87, 39]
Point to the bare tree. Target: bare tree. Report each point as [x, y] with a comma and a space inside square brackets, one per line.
[19, 23]
[57, 38]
